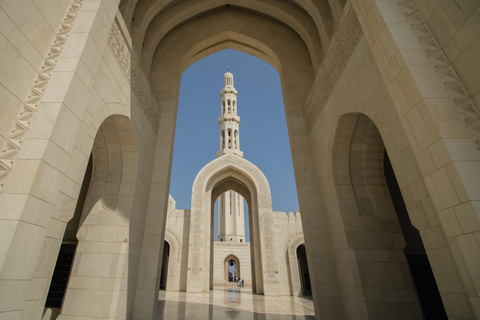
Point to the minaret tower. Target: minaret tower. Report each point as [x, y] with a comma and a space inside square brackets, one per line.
[228, 120]
[231, 213]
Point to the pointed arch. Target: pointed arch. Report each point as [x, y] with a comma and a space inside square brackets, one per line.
[295, 284]
[231, 172]
[226, 261]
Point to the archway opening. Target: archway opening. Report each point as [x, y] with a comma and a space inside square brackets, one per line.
[260, 97]
[387, 247]
[304, 274]
[231, 239]
[417, 259]
[97, 239]
[231, 228]
[232, 271]
[273, 158]
[63, 266]
[164, 271]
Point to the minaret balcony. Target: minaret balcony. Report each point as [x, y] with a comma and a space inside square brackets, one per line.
[229, 151]
[228, 117]
[228, 89]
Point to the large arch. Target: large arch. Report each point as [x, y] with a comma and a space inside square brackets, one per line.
[231, 172]
[293, 63]
[374, 235]
[107, 245]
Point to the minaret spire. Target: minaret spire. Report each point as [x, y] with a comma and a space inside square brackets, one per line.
[231, 211]
[229, 121]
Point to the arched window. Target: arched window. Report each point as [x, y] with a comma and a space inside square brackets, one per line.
[223, 139]
[236, 139]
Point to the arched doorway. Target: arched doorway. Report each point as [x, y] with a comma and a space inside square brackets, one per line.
[165, 261]
[306, 288]
[230, 172]
[379, 231]
[232, 268]
[63, 266]
[101, 223]
[417, 259]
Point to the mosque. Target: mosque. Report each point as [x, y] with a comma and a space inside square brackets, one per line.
[231, 256]
[381, 99]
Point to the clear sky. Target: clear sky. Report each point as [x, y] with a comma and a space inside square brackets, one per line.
[263, 129]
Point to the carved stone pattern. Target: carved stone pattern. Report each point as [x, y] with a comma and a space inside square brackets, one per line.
[122, 54]
[365, 207]
[290, 242]
[197, 215]
[465, 106]
[196, 253]
[270, 265]
[256, 175]
[206, 243]
[109, 202]
[177, 246]
[23, 120]
[267, 221]
[333, 68]
[268, 242]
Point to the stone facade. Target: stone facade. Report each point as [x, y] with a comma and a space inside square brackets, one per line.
[101, 78]
[286, 234]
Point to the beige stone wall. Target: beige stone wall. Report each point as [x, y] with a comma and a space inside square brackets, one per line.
[399, 90]
[241, 251]
[85, 102]
[177, 235]
[24, 41]
[456, 26]
[286, 228]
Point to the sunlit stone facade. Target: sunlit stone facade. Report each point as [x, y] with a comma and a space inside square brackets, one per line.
[381, 102]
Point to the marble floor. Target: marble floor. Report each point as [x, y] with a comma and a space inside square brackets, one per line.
[232, 303]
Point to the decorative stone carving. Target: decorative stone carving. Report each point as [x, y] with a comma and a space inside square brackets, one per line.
[333, 68]
[365, 207]
[175, 244]
[466, 108]
[25, 116]
[239, 163]
[109, 202]
[139, 86]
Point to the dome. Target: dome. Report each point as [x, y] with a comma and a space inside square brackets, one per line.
[227, 79]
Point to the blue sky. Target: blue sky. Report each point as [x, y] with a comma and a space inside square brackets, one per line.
[263, 129]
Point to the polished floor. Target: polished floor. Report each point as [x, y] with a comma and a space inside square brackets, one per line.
[232, 303]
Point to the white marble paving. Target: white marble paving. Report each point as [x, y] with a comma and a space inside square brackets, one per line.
[232, 303]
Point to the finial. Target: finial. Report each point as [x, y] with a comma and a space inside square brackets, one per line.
[228, 68]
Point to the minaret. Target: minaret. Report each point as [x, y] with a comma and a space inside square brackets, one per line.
[228, 120]
[231, 213]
